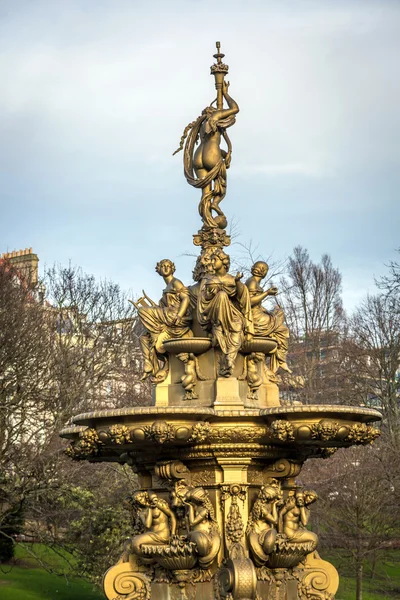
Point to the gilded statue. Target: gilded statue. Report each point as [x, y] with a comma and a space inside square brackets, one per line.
[171, 318]
[250, 373]
[266, 323]
[262, 526]
[202, 267]
[192, 374]
[157, 520]
[294, 517]
[205, 166]
[202, 524]
[224, 310]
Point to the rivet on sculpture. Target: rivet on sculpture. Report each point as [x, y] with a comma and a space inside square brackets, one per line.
[219, 513]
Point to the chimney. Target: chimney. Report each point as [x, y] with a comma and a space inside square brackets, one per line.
[25, 262]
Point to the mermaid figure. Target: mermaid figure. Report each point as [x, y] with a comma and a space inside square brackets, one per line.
[203, 527]
[263, 521]
[205, 167]
[157, 520]
[294, 518]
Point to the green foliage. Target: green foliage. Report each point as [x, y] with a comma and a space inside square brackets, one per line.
[96, 531]
[29, 581]
[11, 525]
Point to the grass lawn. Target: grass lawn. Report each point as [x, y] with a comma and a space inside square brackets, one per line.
[384, 586]
[28, 581]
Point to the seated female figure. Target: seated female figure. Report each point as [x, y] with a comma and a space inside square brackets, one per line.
[171, 318]
[203, 527]
[294, 517]
[223, 309]
[157, 520]
[263, 522]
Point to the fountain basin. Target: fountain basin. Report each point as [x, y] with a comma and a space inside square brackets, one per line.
[142, 434]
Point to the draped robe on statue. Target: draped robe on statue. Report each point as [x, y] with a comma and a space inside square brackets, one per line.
[224, 309]
[271, 324]
[159, 322]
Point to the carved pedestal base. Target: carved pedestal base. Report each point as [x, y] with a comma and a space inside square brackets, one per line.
[227, 394]
[227, 519]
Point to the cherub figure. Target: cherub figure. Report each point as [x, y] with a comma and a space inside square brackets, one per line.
[250, 373]
[192, 374]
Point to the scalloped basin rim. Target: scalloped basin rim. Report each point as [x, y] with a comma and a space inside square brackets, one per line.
[328, 410]
[293, 412]
[143, 410]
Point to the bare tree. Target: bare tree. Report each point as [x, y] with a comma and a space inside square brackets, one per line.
[96, 350]
[356, 516]
[373, 356]
[311, 298]
[27, 405]
[77, 350]
[390, 283]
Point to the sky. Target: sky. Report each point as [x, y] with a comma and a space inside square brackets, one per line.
[96, 94]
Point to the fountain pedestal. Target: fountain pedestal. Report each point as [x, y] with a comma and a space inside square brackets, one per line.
[218, 513]
[217, 477]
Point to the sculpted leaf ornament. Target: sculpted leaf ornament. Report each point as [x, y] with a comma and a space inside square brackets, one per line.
[361, 433]
[325, 430]
[200, 432]
[87, 446]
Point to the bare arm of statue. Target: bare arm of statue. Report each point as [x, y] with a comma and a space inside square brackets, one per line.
[233, 107]
[196, 520]
[146, 517]
[258, 298]
[184, 305]
[269, 517]
[304, 516]
[167, 511]
[239, 284]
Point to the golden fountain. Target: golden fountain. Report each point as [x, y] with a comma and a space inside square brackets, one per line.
[218, 513]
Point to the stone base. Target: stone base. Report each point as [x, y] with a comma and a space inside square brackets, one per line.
[161, 392]
[227, 394]
[268, 395]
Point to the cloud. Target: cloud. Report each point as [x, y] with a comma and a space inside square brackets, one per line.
[95, 96]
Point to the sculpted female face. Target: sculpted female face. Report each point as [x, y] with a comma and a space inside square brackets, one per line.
[141, 498]
[216, 262]
[270, 492]
[153, 499]
[165, 268]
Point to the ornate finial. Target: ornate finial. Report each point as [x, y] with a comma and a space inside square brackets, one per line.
[219, 70]
[218, 56]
